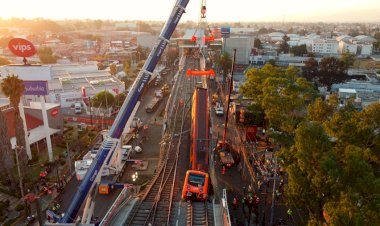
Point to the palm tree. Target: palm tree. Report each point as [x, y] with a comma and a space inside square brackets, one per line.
[6, 159]
[13, 88]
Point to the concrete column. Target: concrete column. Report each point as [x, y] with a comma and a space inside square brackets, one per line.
[47, 128]
[27, 143]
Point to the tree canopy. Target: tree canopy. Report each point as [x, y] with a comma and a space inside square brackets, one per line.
[284, 46]
[103, 99]
[225, 62]
[281, 94]
[333, 166]
[257, 43]
[348, 59]
[328, 72]
[299, 50]
[113, 69]
[4, 61]
[46, 55]
[332, 157]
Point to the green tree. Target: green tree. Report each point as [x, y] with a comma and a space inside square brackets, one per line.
[13, 88]
[319, 111]
[119, 99]
[333, 167]
[272, 62]
[331, 71]
[46, 55]
[225, 62]
[257, 43]
[103, 99]
[281, 94]
[312, 167]
[127, 69]
[348, 59]
[299, 50]
[284, 46]
[254, 115]
[311, 70]
[113, 69]
[4, 61]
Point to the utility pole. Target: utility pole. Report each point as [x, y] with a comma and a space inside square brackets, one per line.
[57, 170]
[273, 192]
[17, 148]
[69, 157]
[89, 102]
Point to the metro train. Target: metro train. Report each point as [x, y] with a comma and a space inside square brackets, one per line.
[197, 180]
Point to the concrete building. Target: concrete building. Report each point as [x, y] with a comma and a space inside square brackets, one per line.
[34, 121]
[347, 47]
[243, 46]
[361, 45]
[367, 91]
[325, 46]
[365, 49]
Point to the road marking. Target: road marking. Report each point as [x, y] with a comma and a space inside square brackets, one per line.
[176, 223]
[179, 211]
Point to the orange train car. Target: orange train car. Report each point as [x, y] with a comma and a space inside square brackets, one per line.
[197, 181]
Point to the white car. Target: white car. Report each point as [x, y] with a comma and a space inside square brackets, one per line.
[219, 111]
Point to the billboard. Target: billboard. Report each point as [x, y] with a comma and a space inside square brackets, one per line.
[28, 72]
[35, 88]
[225, 31]
[21, 47]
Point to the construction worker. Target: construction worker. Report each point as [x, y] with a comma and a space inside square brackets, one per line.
[289, 213]
[223, 170]
[235, 203]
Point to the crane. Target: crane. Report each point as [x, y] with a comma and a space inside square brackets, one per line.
[109, 144]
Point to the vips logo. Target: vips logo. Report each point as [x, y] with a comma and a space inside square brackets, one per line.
[21, 47]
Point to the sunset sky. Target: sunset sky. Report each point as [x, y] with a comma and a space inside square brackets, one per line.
[217, 10]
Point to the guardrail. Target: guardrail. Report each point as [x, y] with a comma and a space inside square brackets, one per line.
[111, 212]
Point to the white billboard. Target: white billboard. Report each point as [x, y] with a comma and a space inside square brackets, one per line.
[28, 72]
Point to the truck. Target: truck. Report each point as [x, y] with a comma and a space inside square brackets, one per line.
[152, 106]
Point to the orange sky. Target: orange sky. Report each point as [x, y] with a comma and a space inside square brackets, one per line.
[217, 10]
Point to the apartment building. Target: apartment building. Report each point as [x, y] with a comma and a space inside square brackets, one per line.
[325, 46]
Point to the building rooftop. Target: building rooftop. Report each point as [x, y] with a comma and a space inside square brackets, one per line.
[73, 77]
[343, 90]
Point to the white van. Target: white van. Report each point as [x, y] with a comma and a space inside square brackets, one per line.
[218, 109]
[78, 108]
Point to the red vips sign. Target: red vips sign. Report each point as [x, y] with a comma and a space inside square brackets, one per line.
[21, 47]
